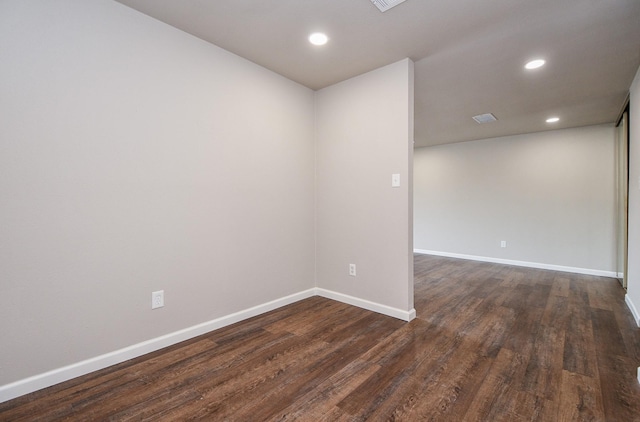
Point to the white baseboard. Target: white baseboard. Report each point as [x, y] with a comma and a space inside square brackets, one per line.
[633, 309]
[365, 304]
[56, 376]
[552, 267]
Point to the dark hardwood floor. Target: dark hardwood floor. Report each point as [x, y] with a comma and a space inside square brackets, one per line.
[490, 343]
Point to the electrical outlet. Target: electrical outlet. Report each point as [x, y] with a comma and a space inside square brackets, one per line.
[352, 270]
[157, 299]
[503, 243]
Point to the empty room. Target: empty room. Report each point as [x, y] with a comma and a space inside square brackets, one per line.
[343, 210]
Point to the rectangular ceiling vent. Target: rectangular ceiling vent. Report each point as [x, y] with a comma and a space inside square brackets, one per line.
[385, 5]
[485, 118]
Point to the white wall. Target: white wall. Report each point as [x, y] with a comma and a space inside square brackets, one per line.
[364, 135]
[133, 158]
[633, 281]
[550, 195]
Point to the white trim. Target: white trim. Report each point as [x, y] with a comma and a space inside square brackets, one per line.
[633, 309]
[365, 304]
[56, 376]
[552, 267]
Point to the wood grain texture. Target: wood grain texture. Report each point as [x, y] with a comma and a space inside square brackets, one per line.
[490, 343]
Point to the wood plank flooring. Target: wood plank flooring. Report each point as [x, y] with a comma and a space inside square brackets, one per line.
[490, 343]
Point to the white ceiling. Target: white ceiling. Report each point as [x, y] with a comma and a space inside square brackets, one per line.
[469, 55]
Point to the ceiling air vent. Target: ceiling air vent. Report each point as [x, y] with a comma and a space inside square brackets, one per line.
[485, 118]
[385, 5]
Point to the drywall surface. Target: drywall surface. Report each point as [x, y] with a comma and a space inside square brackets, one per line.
[549, 195]
[135, 158]
[363, 136]
[633, 271]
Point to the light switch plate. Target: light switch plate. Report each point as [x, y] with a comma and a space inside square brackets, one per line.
[395, 180]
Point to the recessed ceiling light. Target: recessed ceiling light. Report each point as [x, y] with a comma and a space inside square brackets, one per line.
[553, 119]
[534, 64]
[318, 38]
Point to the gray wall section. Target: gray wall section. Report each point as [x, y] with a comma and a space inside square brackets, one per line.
[363, 135]
[549, 195]
[133, 158]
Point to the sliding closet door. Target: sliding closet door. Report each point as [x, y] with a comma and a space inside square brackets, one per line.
[622, 195]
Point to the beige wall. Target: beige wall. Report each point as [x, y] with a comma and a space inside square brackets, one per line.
[133, 158]
[550, 195]
[363, 137]
[633, 286]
